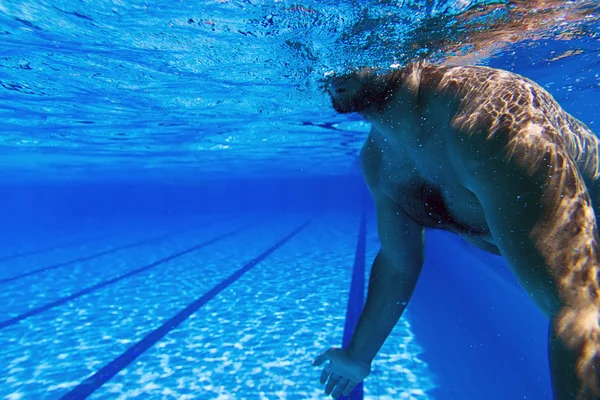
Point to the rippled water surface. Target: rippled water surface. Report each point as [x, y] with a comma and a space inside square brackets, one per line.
[182, 89]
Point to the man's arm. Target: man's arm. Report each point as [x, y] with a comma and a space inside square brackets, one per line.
[540, 214]
[393, 278]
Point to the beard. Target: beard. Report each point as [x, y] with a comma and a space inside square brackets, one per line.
[351, 104]
[359, 91]
[362, 100]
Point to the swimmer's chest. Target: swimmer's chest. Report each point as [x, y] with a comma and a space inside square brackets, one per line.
[433, 207]
[430, 194]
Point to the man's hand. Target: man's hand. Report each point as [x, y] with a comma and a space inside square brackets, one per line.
[342, 373]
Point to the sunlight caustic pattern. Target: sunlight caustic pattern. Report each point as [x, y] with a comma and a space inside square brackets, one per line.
[250, 341]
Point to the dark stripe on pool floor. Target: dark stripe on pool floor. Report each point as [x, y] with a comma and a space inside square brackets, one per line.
[92, 256]
[9, 257]
[91, 384]
[356, 298]
[114, 280]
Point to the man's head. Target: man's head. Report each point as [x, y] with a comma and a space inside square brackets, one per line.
[359, 90]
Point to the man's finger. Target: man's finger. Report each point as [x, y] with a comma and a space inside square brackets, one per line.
[337, 392]
[321, 358]
[333, 380]
[349, 387]
[325, 374]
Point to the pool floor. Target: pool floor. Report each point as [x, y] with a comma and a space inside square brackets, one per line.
[226, 307]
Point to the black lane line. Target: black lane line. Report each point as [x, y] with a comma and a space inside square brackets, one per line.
[92, 256]
[91, 384]
[116, 279]
[56, 246]
[356, 299]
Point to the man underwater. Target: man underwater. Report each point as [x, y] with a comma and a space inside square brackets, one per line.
[490, 156]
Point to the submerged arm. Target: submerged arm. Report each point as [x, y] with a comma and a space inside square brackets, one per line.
[393, 278]
[540, 215]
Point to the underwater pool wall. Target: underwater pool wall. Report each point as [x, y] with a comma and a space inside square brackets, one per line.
[481, 335]
[37, 204]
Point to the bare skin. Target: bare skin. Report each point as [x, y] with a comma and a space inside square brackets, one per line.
[492, 157]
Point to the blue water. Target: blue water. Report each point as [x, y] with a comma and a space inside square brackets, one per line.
[182, 212]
